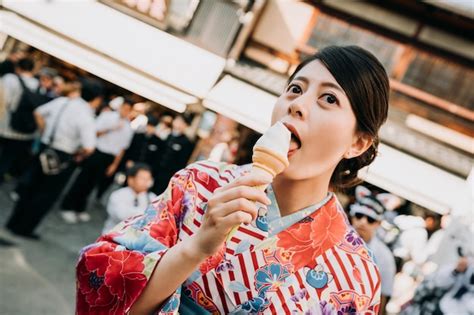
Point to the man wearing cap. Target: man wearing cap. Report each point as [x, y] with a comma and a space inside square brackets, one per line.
[366, 215]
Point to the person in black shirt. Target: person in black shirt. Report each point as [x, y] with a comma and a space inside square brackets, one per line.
[146, 147]
[176, 153]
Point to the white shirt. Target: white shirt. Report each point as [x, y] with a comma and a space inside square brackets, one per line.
[411, 244]
[122, 205]
[75, 128]
[386, 263]
[445, 278]
[116, 140]
[12, 92]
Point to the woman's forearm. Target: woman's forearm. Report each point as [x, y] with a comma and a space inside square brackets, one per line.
[174, 268]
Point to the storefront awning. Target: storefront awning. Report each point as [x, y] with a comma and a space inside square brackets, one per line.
[116, 47]
[241, 102]
[419, 182]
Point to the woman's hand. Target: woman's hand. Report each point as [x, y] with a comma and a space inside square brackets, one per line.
[230, 206]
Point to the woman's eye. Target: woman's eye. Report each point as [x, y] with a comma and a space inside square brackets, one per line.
[293, 88]
[330, 99]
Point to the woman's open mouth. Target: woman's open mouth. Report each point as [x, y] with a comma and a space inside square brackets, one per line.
[295, 143]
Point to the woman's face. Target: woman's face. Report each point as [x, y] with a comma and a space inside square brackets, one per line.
[318, 110]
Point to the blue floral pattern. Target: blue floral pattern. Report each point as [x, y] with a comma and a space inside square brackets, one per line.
[270, 277]
[255, 305]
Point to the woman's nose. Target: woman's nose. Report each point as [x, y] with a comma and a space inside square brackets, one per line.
[296, 110]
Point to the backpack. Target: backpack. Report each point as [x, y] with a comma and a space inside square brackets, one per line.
[22, 119]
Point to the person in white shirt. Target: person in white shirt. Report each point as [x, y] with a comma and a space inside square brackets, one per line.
[131, 200]
[68, 131]
[15, 147]
[114, 135]
[458, 280]
[366, 215]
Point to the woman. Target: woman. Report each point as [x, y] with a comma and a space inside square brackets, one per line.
[294, 253]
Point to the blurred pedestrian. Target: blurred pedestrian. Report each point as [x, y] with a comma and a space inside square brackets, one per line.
[15, 145]
[176, 153]
[131, 200]
[46, 84]
[9, 64]
[137, 152]
[58, 86]
[113, 138]
[68, 133]
[104, 183]
[225, 150]
[459, 281]
[148, 147]
[447, 291]
[366, 215]
[139, 118]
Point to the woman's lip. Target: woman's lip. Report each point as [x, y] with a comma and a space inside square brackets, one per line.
[292, 129]
[291, 152]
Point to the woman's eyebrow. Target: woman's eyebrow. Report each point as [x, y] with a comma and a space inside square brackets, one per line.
[335, 86]
[303, 79]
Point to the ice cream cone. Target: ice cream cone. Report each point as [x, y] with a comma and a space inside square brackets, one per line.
[270, 156]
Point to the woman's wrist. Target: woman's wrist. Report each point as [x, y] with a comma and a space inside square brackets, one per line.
[192, 250]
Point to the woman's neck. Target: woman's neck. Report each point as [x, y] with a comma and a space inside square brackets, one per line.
[294, 195]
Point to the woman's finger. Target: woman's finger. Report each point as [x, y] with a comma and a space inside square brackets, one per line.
[251, 180]
[240, 204]
[249, 193]
[236, 218]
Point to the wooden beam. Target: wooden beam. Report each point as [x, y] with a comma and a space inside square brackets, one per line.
[432, 100]
[394, 35]
[404, 61]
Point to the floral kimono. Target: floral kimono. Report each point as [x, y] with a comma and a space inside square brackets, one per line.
[312, 264]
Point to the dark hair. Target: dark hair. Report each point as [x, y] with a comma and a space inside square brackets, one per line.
[133, 171]
[152, 120]
[186, 117]
[26, 64]
[365, 82]
[128, 100]
[90, 89]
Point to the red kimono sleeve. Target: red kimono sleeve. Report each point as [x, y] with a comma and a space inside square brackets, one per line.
[112, 273]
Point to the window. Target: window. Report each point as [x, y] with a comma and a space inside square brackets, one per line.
[442, 78]
[331, 31]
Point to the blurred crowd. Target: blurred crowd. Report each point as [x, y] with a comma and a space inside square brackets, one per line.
[54, 125]
[51, 126]
[425, 259]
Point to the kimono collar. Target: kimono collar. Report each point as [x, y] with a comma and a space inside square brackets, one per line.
[277, 223]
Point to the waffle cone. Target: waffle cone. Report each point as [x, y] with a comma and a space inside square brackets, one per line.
[266, 163]
[263, 173]
[269, 161]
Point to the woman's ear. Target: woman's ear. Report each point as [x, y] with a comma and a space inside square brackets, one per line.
[362, 141]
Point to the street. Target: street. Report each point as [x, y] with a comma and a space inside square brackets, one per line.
[38, 277]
